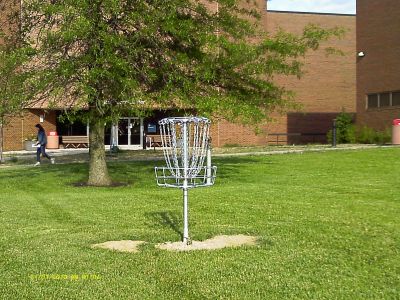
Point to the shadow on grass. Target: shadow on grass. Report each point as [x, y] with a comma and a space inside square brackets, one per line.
[136, 173]
[165, 219]
[229, 168]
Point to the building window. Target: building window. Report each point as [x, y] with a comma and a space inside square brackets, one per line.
[373, 101]
[396, 99]
[384, 100]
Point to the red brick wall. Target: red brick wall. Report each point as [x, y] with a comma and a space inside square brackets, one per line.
[226, 133]
[9, 16]
[259, 5]
[21, 127]
[378, 36]
[328, 86]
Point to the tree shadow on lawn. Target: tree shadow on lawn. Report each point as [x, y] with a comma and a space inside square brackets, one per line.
[31, 171]
[142, 173]
[165, 219]
[230, 169]
[122, 174]
[132, 173]
[18, 173]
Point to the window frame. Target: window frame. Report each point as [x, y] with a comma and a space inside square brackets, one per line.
[379, 95]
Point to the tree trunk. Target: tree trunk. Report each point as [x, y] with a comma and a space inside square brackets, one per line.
[98, 172]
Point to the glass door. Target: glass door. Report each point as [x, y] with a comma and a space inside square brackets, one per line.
[123, 132]
[130, 132]
[136, 132]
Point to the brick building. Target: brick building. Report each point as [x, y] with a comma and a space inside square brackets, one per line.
[378, 63]
[327, 87]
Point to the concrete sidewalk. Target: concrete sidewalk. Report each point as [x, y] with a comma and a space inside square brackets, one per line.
[302, 149]
[51, 152]
[141, 155]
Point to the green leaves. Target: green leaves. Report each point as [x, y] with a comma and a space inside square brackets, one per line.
[12, 79]
[180, 53]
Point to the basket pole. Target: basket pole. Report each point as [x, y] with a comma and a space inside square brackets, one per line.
[208, 171]
[186, 239]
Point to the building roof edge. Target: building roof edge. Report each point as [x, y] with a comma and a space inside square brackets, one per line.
[310, 13]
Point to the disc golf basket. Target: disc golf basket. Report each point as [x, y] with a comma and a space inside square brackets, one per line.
[186, 145]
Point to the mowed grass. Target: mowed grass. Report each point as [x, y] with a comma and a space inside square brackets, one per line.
[328, 227]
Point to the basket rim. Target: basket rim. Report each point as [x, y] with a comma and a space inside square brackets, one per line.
[181, 120]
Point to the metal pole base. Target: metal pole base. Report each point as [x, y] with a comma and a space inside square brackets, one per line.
[186, 239]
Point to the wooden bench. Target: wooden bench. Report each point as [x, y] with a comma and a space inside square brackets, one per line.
[295, 138]
[75, 141]
[281, 138]
[154, 141]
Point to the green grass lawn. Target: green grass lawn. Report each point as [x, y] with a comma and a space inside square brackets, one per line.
[328, 225]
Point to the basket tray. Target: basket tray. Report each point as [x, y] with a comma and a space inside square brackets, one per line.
[174, 178]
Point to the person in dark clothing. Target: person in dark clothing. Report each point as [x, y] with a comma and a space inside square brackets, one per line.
[41, 143]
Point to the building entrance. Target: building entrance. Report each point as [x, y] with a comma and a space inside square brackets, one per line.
[130, 132]
[127, 134]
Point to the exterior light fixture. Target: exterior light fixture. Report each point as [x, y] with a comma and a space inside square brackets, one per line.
[361, 54]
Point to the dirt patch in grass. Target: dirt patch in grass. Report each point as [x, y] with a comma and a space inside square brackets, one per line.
[218, 242]
[122, 246]
[114, 184]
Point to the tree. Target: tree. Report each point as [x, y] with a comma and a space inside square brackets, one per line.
[10, 89]
[118, 56]
[12, 58]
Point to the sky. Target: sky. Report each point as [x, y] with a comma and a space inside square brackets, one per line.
[323, 6]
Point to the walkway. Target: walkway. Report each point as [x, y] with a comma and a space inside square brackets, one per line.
[81, 155]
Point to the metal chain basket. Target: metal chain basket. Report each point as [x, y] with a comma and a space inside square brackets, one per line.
[186, 146]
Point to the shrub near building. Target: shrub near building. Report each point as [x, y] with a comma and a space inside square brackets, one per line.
[345, 130]
[348, 133]
[367, 135]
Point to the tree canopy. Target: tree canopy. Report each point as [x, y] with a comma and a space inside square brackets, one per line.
[119, 56]
[13, 56]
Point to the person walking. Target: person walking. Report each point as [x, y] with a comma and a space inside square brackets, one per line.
[41, 144]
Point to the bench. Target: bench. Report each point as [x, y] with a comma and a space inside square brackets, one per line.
[154, 141]
[75, 141]
[281, 138]
[295, 138]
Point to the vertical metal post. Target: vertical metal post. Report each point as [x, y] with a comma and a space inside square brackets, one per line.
[142, 140]
[113, 138]
[186, 239]
[334, 133]
[209, 161]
